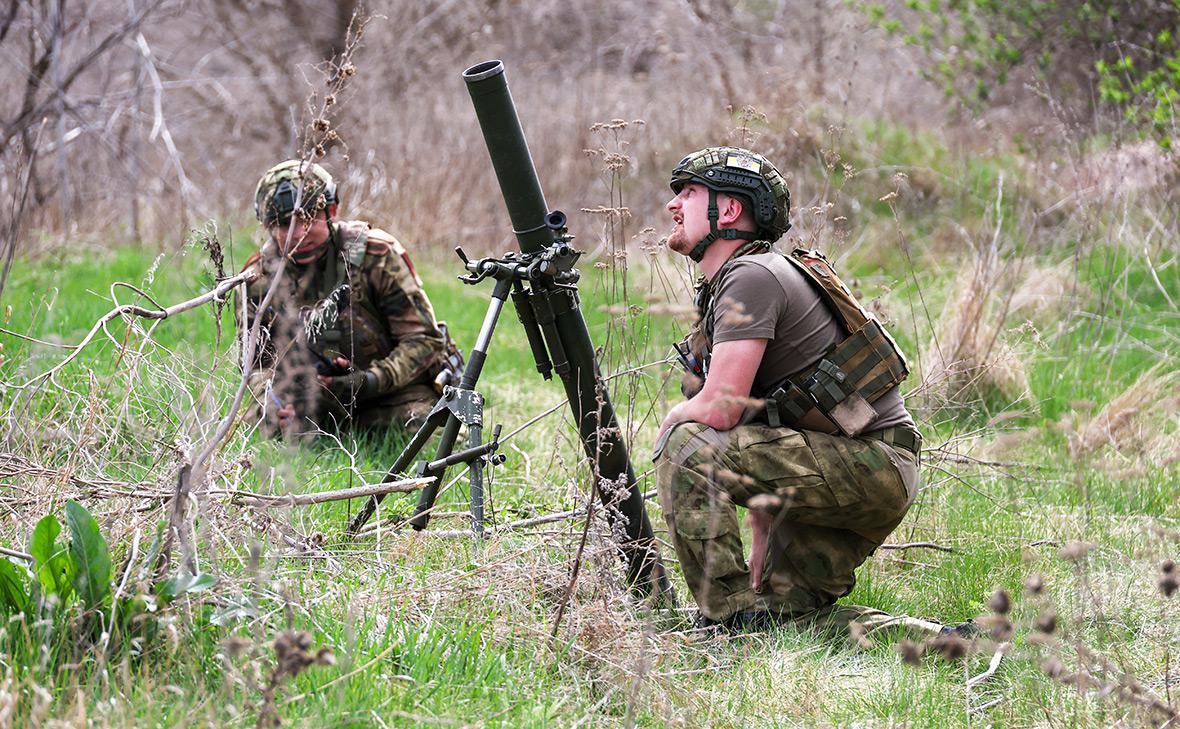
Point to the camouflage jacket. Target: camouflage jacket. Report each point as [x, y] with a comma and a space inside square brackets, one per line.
[383, 323]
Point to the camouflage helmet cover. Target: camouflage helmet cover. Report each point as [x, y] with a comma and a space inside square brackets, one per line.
[274, 197]
[737, 171]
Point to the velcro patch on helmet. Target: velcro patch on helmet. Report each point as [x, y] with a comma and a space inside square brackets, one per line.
[744, 163]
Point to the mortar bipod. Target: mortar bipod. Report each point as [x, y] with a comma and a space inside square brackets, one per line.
[462, 405]
[467, 406]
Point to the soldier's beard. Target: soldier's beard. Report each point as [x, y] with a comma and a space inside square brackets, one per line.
[678, 241]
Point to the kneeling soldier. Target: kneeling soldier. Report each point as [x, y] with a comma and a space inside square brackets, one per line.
[799, 417]
[349, 336]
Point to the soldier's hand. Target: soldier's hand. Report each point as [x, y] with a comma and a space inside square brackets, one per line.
[353, 387]
[342, 363]
[283, 412]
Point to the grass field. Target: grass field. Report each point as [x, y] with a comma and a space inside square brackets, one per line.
[1051, 451]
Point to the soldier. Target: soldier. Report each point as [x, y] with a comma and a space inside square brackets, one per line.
[349, 336]
[799, 417]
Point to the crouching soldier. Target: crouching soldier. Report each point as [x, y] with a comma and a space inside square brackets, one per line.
[349, 336]
[799, 417]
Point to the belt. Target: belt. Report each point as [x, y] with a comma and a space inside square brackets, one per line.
[898, 436]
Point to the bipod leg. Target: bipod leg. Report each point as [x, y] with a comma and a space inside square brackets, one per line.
[466, 408]
[475, 478]
[438, 414]
[464, 404]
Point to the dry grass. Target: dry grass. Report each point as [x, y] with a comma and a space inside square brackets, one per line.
[1136, 430]
[408, 152]
[969, 357]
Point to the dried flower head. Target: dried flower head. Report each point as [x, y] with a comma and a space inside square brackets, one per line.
[235, 646]
[950, 646]
[1000, 602]
[292, 650]
[1047, 622]
[1034, 585]
[911, 652]
[998, 626]
[1082, 679]
[860, 635]
[1053, 668]
[1076, 551]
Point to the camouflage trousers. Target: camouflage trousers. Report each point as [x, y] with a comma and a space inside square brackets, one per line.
[318, 409]
[834, 500]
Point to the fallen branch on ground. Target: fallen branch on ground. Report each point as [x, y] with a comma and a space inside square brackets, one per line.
[917, 545]
[269, 500]
[991, 667]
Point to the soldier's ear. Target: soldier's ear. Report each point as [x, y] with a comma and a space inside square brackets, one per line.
[730, 210]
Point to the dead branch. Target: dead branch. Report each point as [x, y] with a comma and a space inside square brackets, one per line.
[510, 526]
[20, 199]
[991, 667]
[13, 553]
[216, 293]
[271, 501]
[917, 545]
[938, 454]
[32, 109]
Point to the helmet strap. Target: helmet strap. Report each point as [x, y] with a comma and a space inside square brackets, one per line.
[715, 233]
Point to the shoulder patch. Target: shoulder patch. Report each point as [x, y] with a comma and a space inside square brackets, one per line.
[252, 260]
[381, 242]
[377, 247]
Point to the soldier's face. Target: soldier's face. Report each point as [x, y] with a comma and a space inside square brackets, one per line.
[690, 214]
[301, 234]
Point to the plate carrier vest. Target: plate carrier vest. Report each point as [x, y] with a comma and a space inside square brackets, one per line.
[852, 374]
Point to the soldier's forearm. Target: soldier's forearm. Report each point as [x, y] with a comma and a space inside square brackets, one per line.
[406, 363]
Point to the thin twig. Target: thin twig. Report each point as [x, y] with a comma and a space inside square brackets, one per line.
[917, 545]
[18, 555]
[267, 500]
[217, 292]
[991, 666]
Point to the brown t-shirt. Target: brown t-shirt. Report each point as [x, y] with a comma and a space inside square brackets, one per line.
[763, 296]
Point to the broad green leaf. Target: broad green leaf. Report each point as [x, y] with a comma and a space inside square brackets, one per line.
[91, 558]
[43, 543]
[14, 595]
[52, 563]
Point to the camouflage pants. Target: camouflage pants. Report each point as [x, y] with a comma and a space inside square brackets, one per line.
[406, 408]
[838, 499]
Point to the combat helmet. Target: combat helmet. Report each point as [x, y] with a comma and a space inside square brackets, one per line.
[737, 171]
[277, 190]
